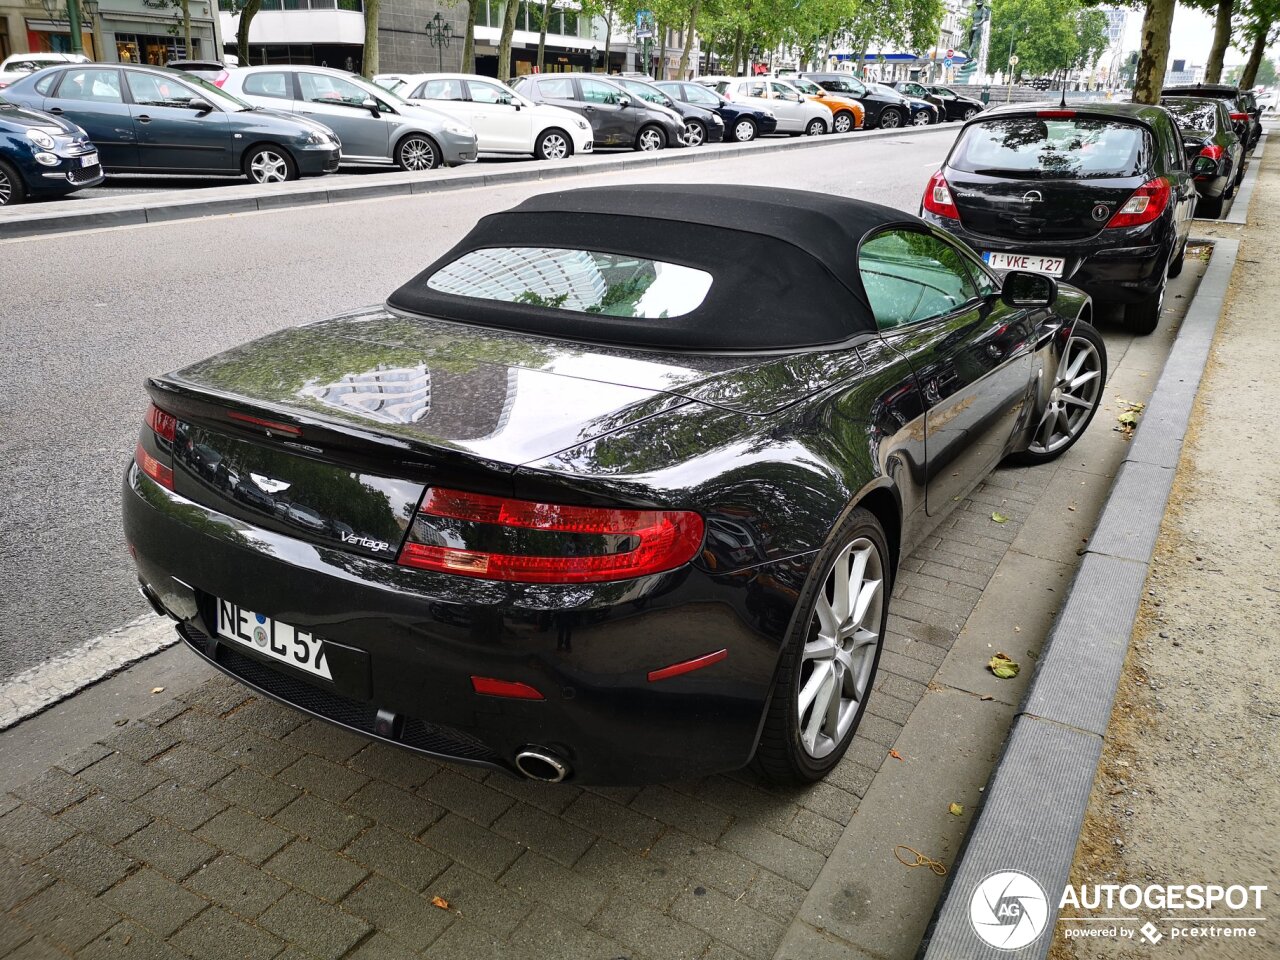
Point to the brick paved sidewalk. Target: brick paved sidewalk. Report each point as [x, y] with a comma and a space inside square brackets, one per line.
[225, 826]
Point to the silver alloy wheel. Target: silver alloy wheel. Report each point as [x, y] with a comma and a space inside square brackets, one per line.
[268, 166]
[842, 124]
[417, 153]
[6, 189]
[920, 119]
[693, 134]
[555, 146]
[816, 128]
[890, 119]
[650, 139]
[971, 113]
[1074, 395]
[835, 668]
[744, 131]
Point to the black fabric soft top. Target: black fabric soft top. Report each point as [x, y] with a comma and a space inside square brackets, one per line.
[784, 264]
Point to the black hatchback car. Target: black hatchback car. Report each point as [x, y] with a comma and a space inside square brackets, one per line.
[1100, 195]
[702, 124]
[1242, 107]
[1216, 155]
[615, 490]
[887, 109]
[742, 123]
[618, 118]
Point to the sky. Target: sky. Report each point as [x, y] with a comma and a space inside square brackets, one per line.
[1190, 40]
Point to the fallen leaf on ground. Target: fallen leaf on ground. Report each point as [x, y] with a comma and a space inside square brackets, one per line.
[895, 754]
[157, 689]
[440, 902]
[955, 809]
[986, 698]
[1003, 666]
[999, 517]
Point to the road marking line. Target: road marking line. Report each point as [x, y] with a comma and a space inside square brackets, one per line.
[40, 687]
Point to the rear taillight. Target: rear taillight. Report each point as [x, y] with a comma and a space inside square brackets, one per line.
[498, 538]
[1239, 117]
[1213, 152]
[220, 79]
[937, 198]
[1146, 204]
[164, 430]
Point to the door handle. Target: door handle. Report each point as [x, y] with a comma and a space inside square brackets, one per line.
[143, 118]
[55, 110]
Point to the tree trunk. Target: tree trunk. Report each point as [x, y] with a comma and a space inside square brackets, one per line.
[661, 71]
[1221, 40]
[469, 38]
[504, 43]
[608, 34]
[369, 64]
[737, 51]
[186, 27]
[688, 40]
[1255, 59]
[247, 14]
[1149, 77]
[542, 37]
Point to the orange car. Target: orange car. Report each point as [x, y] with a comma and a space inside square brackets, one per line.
[846, 113]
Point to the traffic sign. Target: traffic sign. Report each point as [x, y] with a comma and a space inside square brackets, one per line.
[946, 63]
[950, 54]
[1013, 61]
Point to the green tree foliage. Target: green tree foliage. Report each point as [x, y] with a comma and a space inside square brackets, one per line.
[1047, 36]
[1265, 77]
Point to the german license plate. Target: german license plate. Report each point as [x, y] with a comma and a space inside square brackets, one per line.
[280, 641]
[1050, 266]
[89, 160]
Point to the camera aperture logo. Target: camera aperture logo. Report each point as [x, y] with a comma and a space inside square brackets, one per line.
[1009, 910]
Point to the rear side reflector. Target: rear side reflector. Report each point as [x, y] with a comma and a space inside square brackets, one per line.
[499, 538]
[153, 468]
[687, 666]
[1146, 204]
[490, 687]
[269, 425]
[938, 199]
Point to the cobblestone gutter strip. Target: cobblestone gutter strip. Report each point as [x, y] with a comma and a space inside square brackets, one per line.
[250, 198]
[1035, 803]
[44, 685]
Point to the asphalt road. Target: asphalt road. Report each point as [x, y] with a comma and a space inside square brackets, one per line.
[84, 318]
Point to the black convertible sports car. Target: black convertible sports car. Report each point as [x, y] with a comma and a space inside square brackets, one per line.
[615, 489]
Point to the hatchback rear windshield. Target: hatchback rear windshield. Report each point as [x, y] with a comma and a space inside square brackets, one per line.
[1040, 148]
[1194, 114]
[584, 281]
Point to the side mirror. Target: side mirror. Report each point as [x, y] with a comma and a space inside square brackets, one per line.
[200, 106]
[1204, 167]
[371, 105]
[1024, 289]
[624, 101]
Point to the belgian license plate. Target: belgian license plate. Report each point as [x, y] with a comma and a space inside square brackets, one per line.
[280, 641]
[89, 160]
[1050, 266]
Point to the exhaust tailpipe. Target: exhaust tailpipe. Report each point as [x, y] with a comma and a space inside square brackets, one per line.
[537, 763]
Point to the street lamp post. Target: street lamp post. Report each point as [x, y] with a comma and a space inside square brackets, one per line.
[91, 8]
[439, 34]
[72, 8]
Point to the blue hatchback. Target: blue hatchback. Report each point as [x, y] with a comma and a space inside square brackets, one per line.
[43, 155]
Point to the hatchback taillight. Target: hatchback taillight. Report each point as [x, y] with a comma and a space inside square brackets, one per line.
[499, 538]
[1146, 204]
[1239, 117]
[1212, 151]
[938, 199]
[164, 429]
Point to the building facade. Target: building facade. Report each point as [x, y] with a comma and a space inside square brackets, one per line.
[324, 32]
[127, 31]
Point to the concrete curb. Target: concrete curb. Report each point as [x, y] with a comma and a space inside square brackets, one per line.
[1035, 804]
[250, 198]
[1240, 208]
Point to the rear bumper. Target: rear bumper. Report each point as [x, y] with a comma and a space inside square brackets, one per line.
[408, 642]
[1126, 269]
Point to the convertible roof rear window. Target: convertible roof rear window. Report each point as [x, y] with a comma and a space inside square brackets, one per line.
[586, 281]
[1048, 148]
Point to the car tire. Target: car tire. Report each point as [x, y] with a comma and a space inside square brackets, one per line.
[13, 189]
[970, 113]
[1175, 268]
[920, 118]
[827, 653]
[891, 118]
[1074, 399]
[1143, 317]
[415, 152]
[744, 130]
[843, 122]
[553, 144]
[651, 138]
[1208, 208]
[267, 163]
[816, 127]
[695, 133]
